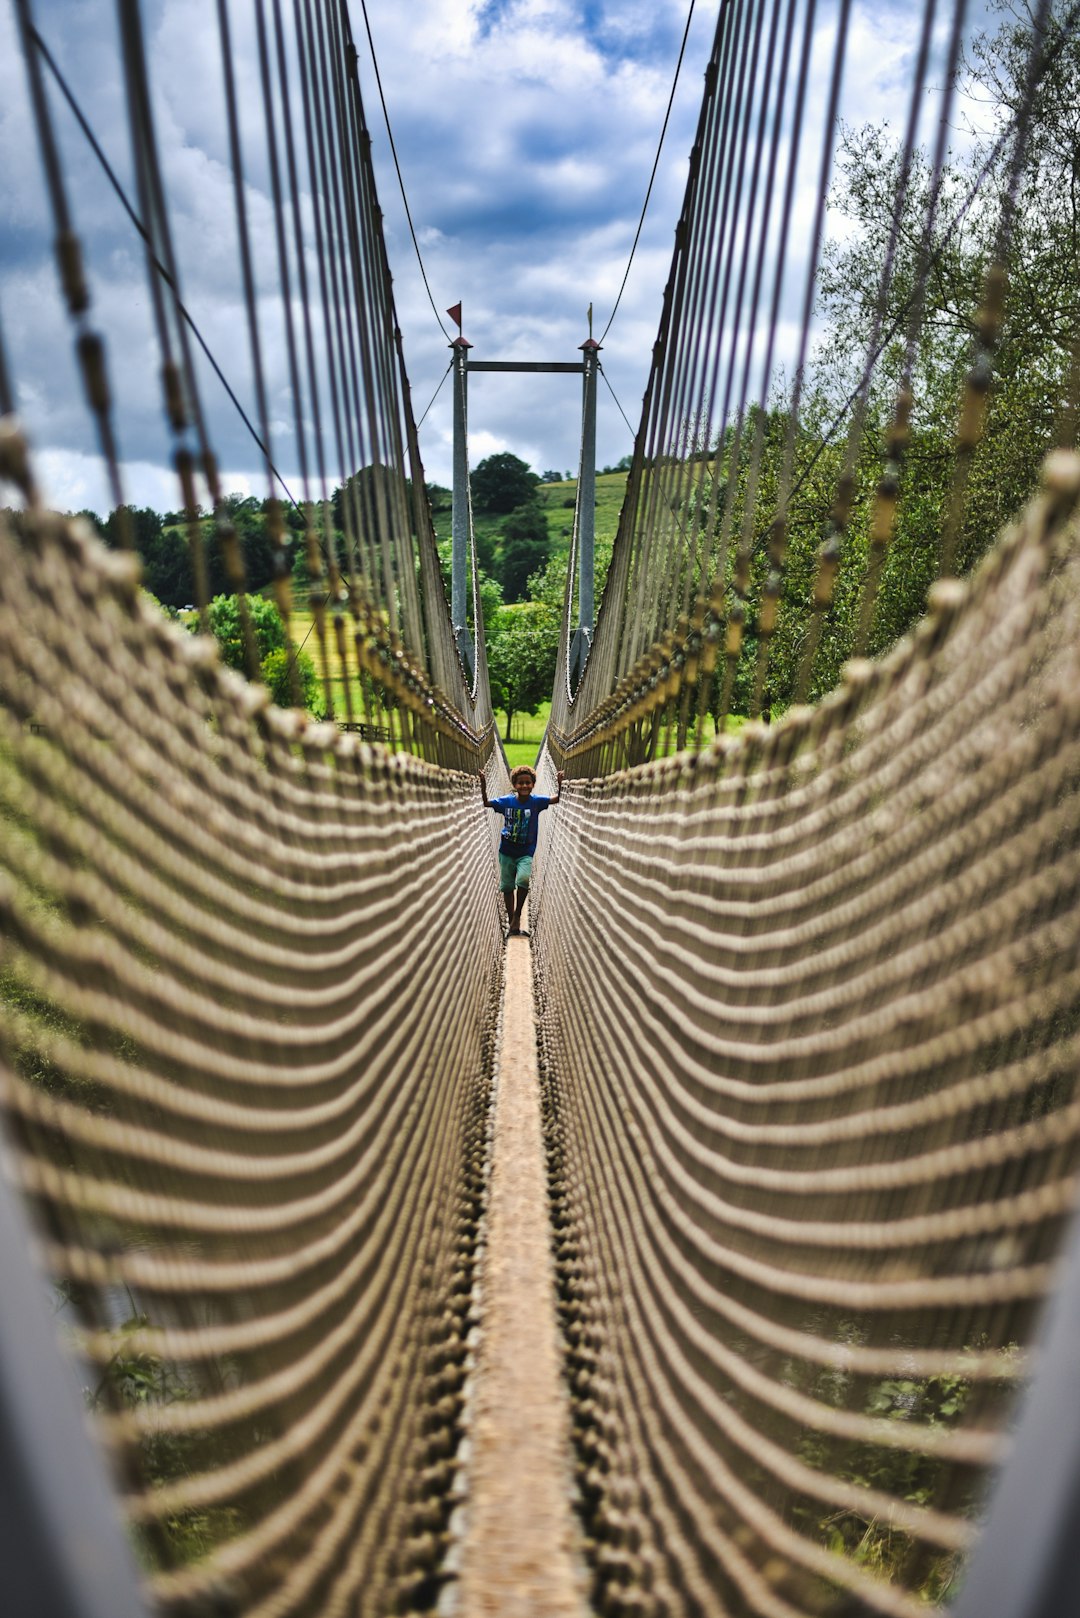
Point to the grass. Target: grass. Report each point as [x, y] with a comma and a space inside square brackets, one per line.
[528, 734]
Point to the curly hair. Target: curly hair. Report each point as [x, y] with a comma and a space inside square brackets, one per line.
[522, 769]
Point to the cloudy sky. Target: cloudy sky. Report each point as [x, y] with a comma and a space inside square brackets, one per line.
[526, 131]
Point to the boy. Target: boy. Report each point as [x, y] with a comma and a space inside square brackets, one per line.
[517, 845]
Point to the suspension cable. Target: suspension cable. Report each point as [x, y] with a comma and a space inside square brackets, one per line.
[397, 167]
[125, 202]
[652, 176]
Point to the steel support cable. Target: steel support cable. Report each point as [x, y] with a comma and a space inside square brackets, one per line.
[707, 246]
[233, 555]
[666, 327]
[69, 259]
[783, 239]
[385, 334]
[822, 194]
[182, 309]
[656, 165]
[758, 166]
[373, 319]
[313, 133]
[247, 270]
[637, 630]
[748, 205]
[362, 368]
[750, 495]
[909, 314]
[340, 314]
[673, 411]
[181, 400]
[721, 210]
[285, 81]
[829, 554]
[152, 207]
[735, 200]
[435, 395]
[793, 407]
[860, 405]
[992, 307]
[277, 192]
[731, 453]
[397, 167]
[725, 51]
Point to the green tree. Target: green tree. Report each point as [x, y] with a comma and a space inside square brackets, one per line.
[521, 660]
[502, 482]
[525, 549]
[266, 625]
[279, 682]
[523, 645]
[142, 525]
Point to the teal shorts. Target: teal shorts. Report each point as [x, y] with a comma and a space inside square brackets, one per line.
[514, 872]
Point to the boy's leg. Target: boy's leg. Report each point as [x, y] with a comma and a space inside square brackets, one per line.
[507, 878]
[524, 874]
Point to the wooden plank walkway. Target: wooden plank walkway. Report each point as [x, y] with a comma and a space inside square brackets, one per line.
[520, 1554]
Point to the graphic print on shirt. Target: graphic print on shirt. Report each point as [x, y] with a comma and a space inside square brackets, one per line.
[516, 828]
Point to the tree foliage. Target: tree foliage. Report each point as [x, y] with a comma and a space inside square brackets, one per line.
[525, 549]
[501, 483]
[226, 628]
[279, 680]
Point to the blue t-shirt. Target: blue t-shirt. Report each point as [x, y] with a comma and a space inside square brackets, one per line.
[520, 819]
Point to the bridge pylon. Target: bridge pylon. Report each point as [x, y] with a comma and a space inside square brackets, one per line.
[589, 369]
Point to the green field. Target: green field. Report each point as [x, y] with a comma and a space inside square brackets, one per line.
[528, 734]
[557, 503]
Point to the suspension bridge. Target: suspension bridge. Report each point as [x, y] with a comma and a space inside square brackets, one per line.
[709, 1251]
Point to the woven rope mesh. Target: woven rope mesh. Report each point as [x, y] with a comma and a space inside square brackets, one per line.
[808, 1005]
[807, 1000]
[245, 1062]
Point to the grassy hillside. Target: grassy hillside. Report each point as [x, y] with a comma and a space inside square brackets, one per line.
[557, 503]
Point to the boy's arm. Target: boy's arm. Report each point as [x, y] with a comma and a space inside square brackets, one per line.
[558, 788]
[483, 790]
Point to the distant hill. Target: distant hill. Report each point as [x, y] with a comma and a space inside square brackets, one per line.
[557, 503]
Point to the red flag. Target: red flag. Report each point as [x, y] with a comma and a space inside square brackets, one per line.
[455, 315]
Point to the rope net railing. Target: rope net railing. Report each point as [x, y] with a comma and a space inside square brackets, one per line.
[807, 998]
[250, 963]
[836, 411]
[245, 1056]
[808, 1006]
